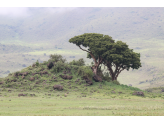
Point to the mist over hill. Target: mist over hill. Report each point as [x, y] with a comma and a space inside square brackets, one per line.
[30, 33]
[60, 24]
[120, 23]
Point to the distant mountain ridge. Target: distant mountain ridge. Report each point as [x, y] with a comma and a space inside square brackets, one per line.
[120, 23]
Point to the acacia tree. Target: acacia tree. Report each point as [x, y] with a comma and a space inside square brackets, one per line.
[95, 43]
[119, 56]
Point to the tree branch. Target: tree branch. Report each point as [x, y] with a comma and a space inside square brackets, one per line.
[90, 54]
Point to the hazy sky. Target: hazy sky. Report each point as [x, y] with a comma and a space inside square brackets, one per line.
[24, 11]
[14, 11]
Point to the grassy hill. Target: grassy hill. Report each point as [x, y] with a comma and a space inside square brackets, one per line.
[31, 92]
[40, 78]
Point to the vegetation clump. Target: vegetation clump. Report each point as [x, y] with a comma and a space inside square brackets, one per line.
[63, 76]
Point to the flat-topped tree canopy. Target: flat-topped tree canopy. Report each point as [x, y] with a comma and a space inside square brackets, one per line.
[104, 50]
[90, 39]
[93, 41]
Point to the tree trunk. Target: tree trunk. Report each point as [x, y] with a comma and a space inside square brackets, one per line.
[96, 77]
[114, 77]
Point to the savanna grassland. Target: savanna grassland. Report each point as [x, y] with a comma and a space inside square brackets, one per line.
[30, 92]
[26, 42]
[44, 105]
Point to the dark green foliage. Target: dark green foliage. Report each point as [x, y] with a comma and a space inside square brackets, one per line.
[80, 62]
[58, 67]
[104, 50]
[96, 46]
[37, 63]
[116, 82]
[45, 63]
[55, 58]
[85, 71]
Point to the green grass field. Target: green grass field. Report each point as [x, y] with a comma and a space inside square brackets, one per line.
[44, 105]
[106, 98]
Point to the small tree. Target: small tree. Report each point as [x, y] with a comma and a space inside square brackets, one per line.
[80, 62]
[55, 58]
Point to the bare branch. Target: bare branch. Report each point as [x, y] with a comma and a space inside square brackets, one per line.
[83, 49]
[90, 54]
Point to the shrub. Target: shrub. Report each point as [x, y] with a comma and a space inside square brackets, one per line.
[37, 63]
[37, 76]
[45, 62]
[58, 67]
[55, 58]
[8, 85]
[106, 77]
[19, 79]
[85, 71]
[115, 82]
[80, 62]
[10, 74]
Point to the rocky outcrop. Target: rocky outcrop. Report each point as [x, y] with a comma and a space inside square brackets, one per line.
[23, 74]
[41, 73]
[1, 83]
[22, 95]
[14, 80]
[138, 93]
[32, 95]
[58, 87]
[66, 77]
[44, 72]
[97, 78]
[89, 82]
[37, 82]
[32, 79]
[50, 65]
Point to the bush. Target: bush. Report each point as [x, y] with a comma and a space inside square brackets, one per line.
[58, 67]
[55, 58]
[80, 62]
[116, 82]
[37, 76]
[85, 71]
[37, 63]
[45, 63]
